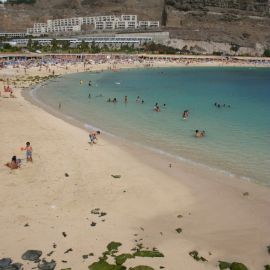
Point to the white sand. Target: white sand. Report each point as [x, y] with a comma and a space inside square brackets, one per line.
[146, 200]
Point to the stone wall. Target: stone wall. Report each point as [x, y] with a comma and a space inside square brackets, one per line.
[210, 47]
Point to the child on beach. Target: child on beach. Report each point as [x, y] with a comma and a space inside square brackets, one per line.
[28, 148]
[14, 164]
[93, 137]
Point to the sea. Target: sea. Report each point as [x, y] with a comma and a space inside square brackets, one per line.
[231, 104]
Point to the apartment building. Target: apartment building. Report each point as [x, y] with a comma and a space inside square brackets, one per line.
[113, 41]
[100, 23]
[13, 35]
[53, 29]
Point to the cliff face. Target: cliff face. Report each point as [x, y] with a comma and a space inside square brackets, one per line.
[255, 7]
[244, 22]
[18, 17]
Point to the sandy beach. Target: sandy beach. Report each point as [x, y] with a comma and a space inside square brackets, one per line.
[47, 204]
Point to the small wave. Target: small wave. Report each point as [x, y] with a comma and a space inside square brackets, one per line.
[192, 162]
[89, 127]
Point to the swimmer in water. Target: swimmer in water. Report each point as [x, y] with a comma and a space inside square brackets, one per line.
[138, 99]
[185, 114]
[199, 133]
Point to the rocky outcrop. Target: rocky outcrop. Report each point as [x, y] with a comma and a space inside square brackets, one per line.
[250, 7]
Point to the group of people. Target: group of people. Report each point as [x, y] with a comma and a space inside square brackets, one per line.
[219, 105]
[15, 162]
[157, 107]
[113, 100]
[139, 100]
[8, 89]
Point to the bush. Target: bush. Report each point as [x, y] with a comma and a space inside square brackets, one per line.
[266, 53]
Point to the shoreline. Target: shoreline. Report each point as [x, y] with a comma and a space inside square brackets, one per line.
[31, 96]
[220, 216]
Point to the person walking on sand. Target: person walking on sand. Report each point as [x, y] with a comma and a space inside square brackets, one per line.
[28, 148]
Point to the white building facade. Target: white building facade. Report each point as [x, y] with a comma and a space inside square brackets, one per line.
[100, 23]
[112, 41]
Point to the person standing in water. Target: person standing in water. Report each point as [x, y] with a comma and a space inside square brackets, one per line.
[185, 114]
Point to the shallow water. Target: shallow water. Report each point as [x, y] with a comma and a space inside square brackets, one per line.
[237, 137]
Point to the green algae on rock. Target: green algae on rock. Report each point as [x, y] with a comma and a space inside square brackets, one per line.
[195, 255]
[103, 265]
[233, 266]
[120, 259]
[142, 267]
[224, 265]
[238, 266]
[112, 248]
[148, 253]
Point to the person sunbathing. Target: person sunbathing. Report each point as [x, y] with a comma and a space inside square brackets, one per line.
[14, 164]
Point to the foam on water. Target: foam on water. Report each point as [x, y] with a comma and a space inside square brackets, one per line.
[237, 139]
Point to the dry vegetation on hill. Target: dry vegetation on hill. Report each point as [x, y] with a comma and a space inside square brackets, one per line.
[245, 22]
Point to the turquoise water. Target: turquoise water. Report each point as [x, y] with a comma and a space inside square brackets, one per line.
[237, 137]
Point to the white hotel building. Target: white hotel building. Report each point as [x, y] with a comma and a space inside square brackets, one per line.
[101, 23]
[112, 41]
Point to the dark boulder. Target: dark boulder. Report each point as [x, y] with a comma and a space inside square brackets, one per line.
[32, 255]
[44, 265]
[5, 262]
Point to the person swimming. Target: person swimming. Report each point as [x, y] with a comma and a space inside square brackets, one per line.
[185, 114]
[138, 99]
[199, 133]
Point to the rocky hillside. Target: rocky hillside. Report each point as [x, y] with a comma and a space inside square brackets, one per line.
[244, 22]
